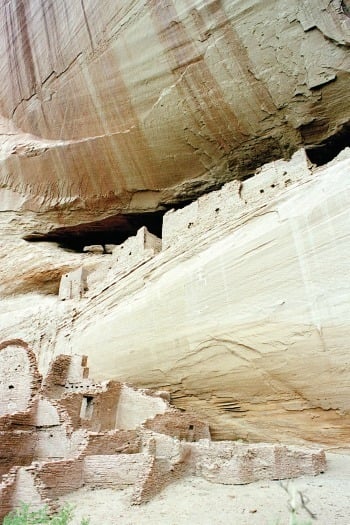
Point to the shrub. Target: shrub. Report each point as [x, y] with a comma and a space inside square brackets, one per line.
[26, 516]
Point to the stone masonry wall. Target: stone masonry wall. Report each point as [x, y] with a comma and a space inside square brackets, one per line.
[72, 440]
[233, 200]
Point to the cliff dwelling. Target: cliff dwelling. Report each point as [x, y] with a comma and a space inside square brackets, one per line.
[66, 431]
[174, 222]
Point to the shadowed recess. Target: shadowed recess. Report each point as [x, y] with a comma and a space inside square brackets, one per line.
[112, 230]
[330, 147]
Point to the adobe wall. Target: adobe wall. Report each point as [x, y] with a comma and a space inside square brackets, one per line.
[69, 443]
[116, 261]
[26, 490]
[113, 442]
[181, 228]
[117, 471]
[16, 448]
[91, 406]
[136, 249]
[183, 426]
[135, 407]
[161, 471]
[65, 372]
[52, 443]
[19, 377]
[46, 414]
[56, 377]
[59, 477]
[244, 463]
[7, 488]
[213, 212]
[233, 200]
[73, 284]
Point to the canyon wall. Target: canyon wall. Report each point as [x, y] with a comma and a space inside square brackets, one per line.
[243, 315]
[110, 108]
[246, 321]
[132, 106]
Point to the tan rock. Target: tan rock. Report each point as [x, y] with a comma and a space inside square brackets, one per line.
[77, 432]
[244, 317]
[105, 109]
[240, 316]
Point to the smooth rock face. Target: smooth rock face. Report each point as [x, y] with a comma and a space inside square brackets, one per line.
[248, 322]
[243, 315]
[109, 106]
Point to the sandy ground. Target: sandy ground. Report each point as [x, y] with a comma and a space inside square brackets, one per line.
[197, 501]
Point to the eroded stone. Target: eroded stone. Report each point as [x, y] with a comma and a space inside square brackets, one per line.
[100, 435]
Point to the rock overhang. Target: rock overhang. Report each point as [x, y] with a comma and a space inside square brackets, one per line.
[118, 119]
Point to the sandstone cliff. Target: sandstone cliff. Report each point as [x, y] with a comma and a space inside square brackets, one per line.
[107, 107]
[108, 110]
[243, 315]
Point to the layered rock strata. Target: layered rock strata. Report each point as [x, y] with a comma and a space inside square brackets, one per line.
[243, 315]
[246, 315]
[107, 107]
[67, 431]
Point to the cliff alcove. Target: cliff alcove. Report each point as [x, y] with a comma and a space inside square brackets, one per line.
[174, 196]
[111, 230]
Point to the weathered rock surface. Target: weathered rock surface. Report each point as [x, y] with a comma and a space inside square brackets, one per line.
[66, 431]
[243, 315]
[107, 107]
[247, 322]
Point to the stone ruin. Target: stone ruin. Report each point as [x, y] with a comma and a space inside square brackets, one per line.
[65, 431]
[127, 256]
[183, 227]
[73, 284]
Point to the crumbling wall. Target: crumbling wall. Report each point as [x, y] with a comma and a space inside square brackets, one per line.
[134, 250]
[121, 260]
[52, 443]
[235, 463]
[59, 477]
[73, 284]
[17, 447]
[159, 471]
[46, 414]
[7, 488]
[70, 440]
[184, 426]
[233, 200]
[135, 406]
[19, 377]
[56, 377]
[182, 227]
[113, 442]
[92, 407]
[117, 471]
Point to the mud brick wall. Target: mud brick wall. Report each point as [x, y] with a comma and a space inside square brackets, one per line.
[113, 471]
[159, 472]
[17, 447]
[235, 463]
[19, 377]
[56, 377]
[60, 477]
[232, 201]
[179, 425]
[134, 250]
[114, 442]
[94, 408]
[7, 489]
[135, 406]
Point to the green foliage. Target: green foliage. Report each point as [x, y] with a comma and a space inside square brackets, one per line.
[25, 516]
[297, 522]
